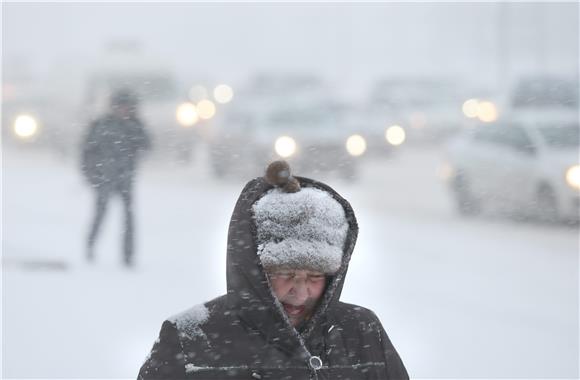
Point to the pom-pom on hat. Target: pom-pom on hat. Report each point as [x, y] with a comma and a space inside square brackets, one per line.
[298, 228]
[278, 174]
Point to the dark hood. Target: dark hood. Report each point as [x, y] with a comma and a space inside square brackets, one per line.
[248, 289]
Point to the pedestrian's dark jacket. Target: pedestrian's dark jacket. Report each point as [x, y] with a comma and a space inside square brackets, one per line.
[246, 335]
[111, 149]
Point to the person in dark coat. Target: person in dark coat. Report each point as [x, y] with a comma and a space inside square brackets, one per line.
[289, 245]
[110, 155]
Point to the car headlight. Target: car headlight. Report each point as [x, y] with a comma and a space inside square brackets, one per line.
[186, 114]
[285, 146]
[573, 176]
[206, 109]
[223, 93]
[356, 145]
[395, 135]
[25, 126]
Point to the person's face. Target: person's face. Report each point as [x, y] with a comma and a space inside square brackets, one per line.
[298, 291]
[124, 110]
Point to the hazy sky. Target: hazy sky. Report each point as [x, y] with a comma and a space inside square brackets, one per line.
[347, 42]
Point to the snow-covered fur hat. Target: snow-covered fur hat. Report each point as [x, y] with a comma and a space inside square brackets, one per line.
[298, 228]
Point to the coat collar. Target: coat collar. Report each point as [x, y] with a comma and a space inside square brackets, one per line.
[274, 327]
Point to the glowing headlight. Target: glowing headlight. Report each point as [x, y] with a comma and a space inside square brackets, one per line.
[356, 145]
[573, 176]
[395, 135]
[223, 93]
[471, 108]
[187, 114]
[206, 109]
[487, 112]
[285, 146]
[25, 126]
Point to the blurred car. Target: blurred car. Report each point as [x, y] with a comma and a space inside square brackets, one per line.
[37, 111]
[544, 94]
[530, 168]
[382, 138]
[24, 116]
[309, 134]
[428, 110]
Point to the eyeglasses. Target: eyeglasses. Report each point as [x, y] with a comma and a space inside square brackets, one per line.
[287, 276]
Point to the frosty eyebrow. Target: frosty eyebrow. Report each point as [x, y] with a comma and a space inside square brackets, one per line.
[291, 274]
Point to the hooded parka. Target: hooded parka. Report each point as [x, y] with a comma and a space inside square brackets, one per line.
[245, 334]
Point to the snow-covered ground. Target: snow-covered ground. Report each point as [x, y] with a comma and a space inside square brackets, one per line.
[460, 298]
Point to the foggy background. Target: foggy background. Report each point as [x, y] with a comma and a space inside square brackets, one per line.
[493, 295]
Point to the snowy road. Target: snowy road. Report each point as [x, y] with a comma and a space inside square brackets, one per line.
[460, 298]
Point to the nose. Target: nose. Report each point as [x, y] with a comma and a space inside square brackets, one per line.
[300, 290]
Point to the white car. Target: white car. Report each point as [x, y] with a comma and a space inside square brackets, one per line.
[529, 168]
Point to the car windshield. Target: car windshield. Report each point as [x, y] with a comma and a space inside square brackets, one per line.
[305, 118]
[416, 94]
[546, 93]
[561, 137]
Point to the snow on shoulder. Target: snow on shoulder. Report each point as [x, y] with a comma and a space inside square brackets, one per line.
[189, 321]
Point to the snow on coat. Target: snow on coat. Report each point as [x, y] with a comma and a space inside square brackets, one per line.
[245, 334]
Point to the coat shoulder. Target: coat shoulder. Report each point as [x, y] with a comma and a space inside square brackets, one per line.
[191, 321]
[356, 319]
[350, 311]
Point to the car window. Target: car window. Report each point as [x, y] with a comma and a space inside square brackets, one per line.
[485, 134]
[567, 136]
[507, 136]
[490, 134]
[304, 117]
[517, 138]
[546, 92]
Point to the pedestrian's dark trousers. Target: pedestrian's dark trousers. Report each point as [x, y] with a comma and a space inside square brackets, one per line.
[103, 194]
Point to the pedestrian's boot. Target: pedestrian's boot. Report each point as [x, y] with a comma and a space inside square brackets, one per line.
[90, 255]
[128, 261]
